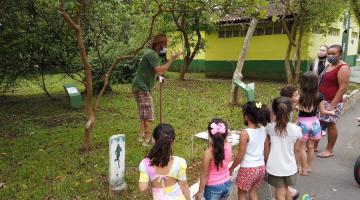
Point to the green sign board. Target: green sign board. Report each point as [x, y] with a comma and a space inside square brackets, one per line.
[74, 96]
[248, 88]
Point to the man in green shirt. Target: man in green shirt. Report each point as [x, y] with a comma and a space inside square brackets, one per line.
[144, 82]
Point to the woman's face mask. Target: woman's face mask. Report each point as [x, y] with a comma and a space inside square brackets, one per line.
[332, 59]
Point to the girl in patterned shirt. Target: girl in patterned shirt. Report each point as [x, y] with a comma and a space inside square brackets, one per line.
[166, 173]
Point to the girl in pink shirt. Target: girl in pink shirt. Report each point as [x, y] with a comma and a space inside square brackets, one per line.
[215, 177]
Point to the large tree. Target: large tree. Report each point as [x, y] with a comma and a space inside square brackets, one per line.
[146, 11]
[33, 42]
[299, 18]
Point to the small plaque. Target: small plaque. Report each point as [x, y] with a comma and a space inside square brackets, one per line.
[72, 90]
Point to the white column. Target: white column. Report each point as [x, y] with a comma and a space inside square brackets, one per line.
[117, 164]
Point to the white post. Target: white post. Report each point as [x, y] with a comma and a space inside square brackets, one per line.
[117, 165]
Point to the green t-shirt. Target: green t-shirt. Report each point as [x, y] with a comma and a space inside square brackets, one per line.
[145, 75]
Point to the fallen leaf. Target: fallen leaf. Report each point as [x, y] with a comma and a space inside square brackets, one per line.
[60, 178]
[89, 180]
[2, 185]
[333, 189]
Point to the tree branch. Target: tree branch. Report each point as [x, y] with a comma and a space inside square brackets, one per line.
[130, 56]
[66, 16]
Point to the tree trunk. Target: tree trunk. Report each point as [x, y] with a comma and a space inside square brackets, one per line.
[240, 63]
[288, 73]
[43, 84]
[291, 38]
[183, 70]
[298, 52]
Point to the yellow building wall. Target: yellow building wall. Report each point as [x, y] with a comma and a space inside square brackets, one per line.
[267, 47]
[177, 44]
[353, 42]
[315, 40]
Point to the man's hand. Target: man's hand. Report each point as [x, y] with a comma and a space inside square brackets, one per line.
[175, 55]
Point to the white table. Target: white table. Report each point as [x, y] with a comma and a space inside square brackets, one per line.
[233, 138]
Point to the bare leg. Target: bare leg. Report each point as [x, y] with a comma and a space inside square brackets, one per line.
[316, 144]
[280, 193]
[142, 128]
[332, 137]
[310, 154]
[148, 124]
[303, 158]
[253, 194]
[242, 194]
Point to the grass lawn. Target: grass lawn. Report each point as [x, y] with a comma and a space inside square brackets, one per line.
[40, 139]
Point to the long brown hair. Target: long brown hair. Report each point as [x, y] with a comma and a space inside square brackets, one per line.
[282, 107]
[160, 153]
[309, 87]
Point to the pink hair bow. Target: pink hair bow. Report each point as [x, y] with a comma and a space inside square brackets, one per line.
[217, 128]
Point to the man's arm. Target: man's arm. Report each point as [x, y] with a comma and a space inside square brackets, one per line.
[161, 69]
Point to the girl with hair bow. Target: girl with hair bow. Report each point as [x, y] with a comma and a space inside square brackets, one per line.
[215, 177]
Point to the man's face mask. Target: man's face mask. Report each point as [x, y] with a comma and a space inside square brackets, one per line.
[163, 50]
[332, 59]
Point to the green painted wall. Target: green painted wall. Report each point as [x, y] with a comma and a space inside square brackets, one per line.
[351, 60]
[195, 66]
[256, 69]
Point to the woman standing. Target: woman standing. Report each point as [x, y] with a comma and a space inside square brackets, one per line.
[334, 83]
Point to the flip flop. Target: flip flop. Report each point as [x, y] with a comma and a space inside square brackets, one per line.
[325, 155]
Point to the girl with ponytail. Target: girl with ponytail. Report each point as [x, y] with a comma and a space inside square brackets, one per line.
[251, 150]
[215, 177]
[165, 172]
[281, 146]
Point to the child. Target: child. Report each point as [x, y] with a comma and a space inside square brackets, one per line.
[215, 177]
[310, 102]
[293, 93]
[251, 150]
[166, 173]
[279, 154]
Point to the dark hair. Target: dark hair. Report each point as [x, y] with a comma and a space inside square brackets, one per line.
[218, 142]
[288, 91]
[309, 88]
[160, 153]
[256, 115]
[282, 107]
[338, 47]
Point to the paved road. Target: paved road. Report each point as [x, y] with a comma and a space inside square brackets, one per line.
[332, 178]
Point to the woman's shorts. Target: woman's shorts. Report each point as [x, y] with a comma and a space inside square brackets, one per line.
[145, 105]
[250, 177]
[310, 128]
[215, 192]
[331, 118]
[282, 181]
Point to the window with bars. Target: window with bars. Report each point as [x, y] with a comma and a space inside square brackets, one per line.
[258, 32]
